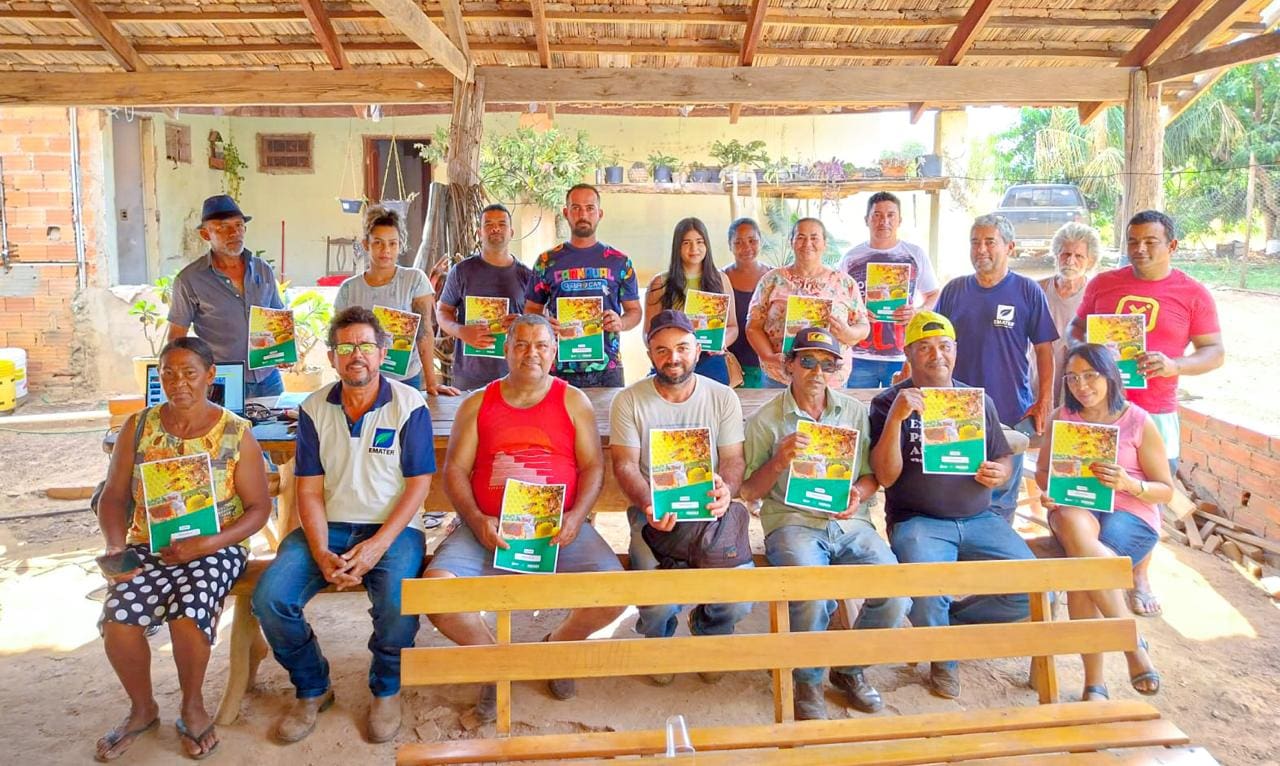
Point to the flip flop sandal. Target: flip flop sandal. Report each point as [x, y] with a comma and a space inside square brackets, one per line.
[432, 519]
[1097, 690]
[185, 733]
[1144, 603]
[1147, 677]
[115, 737]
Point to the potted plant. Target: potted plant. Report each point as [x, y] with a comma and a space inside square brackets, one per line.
[698, 173]
[311, 315]
[153, 316]
[737, 158]
[895, 162]
[831, 172]
[662, 165]
[778, 172]
[638, 173]
[613, 171]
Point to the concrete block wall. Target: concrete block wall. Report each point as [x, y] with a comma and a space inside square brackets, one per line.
[1236, 464]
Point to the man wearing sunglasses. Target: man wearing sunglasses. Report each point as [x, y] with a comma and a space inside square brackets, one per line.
[801, 537]
[365, 457]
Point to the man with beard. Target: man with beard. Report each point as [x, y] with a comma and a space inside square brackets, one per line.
[493, 273]
[800, 537]
[584, 267]
[538, 429]
[934, 517]
[365, 457]
[673, 397]
[214, 293]
[1075, 248]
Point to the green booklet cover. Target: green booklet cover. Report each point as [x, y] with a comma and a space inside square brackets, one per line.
[482, 309]
[531, 517]
[953, 430]
[802, 312]
[178, 495]
[709, 315]
[1073, 451]
[581, 329]
[403, 328]
[271, 337]
[888, 289]
[1126, 336]
[821, 475]
[680, 473]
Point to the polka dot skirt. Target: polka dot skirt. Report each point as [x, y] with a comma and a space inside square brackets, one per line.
[195, 590]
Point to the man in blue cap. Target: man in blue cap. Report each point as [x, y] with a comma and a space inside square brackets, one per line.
[214, 293]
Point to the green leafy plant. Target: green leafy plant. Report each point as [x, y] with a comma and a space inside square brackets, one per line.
[232, 178]
[659, 160]
[154, 315]
[734, 155]
[312, 313]
[904, 155]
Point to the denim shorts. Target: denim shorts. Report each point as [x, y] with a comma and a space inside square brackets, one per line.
[1126, 534]
[462, 555]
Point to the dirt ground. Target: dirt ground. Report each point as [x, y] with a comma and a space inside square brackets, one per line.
[1216, 644]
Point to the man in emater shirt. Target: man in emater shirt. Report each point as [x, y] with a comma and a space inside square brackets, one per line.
[586, 267]
[1180, 312]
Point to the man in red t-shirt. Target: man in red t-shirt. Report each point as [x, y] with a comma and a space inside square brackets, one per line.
[538, 429]
[1180, 312]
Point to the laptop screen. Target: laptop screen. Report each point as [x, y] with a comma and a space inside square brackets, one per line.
[227, 389]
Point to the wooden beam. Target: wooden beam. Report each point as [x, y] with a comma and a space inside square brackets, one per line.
[1143, 147]
[1242, 52]
[915, 111]
[539, 8]
[455, 27]
[1089, 112]
[755, 28]
[108, 36]
[1171, 24]
[318, 18]
[1213, 23]
[408, 17]
[967, 31]
[735, 112]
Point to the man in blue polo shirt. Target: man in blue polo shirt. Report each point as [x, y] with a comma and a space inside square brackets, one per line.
[365, 457]
[214, 293]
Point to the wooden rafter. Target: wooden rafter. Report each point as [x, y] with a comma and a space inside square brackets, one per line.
[750, 42]
[102, 30]
[454, 26]
[1214, 22]
[318, 18]
[539, 10]
[966, 32]
[1233, 54]
[408, 17]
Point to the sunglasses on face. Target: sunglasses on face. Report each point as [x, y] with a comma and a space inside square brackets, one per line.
[347, 349]
[828, 365]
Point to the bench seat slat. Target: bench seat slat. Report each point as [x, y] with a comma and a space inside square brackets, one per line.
[709, 586]
[1140, 756]
[953, 748]
[612, 744]
[760, 651]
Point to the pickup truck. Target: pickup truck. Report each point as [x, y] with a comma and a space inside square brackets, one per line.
[1037, 211]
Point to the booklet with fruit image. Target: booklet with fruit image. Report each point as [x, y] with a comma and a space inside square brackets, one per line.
[709, 315]
[1126, 336]
[1073, 451]
[802, 312]
[271, 337]
[403, 328]
[888, 289]
[581, 329]
[680, 475]
[481, 309]
[178, 495]
[953, 430]
[531, 517]
[822, 474]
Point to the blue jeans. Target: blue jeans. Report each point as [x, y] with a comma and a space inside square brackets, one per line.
[272, 385]
[872, 373]
[984, 537]
[1004, 498]
[294, 578]
[769, 382]
[660, 621]
[849, 542]
[415, 382]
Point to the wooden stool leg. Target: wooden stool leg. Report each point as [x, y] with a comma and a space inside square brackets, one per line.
[246, 642]
[286, 509]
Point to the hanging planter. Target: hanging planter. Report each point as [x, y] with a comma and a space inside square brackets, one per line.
[351, 205]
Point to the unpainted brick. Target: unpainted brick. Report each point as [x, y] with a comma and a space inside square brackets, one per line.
[1235, 452]
[1223, 428]
[1222, 468]
[1188, 416]
[1253, 439]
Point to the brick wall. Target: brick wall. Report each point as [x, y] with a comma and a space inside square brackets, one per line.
[37, 296]
[1236, 465]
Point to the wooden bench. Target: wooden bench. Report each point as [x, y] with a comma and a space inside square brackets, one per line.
[1049, 728]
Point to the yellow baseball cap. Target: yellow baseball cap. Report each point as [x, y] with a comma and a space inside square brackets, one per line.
[928, 324]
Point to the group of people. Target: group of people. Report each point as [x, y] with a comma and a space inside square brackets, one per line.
[365, 455]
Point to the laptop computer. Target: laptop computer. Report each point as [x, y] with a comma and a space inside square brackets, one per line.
[228, 389]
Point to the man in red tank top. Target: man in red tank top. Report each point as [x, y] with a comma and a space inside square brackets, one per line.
[536, 428]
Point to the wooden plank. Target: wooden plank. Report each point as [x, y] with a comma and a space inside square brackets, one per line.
[1205, 29]
[915, 111]
[409, 18]
[454, 25]
[1140, 756]
[1043, 670]
[861, 729]
[322, 27]
[705, 586]
[102, 30]
[503, 637]
[539, 10]
[1234, 54]
[607, 658]
[1180, 505]
[1212, 543]
[1245, 537]
[784, 696]
[966, 32]
[1171, 24]
[960, 747]
[1193, 534]
[755, 28]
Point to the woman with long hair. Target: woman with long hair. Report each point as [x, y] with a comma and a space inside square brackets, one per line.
[692, 268]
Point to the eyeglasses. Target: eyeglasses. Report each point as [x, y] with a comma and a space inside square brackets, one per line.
[1072, 378]
[828, 365]
[347, 349]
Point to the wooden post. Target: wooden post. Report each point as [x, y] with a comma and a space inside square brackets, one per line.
[1143, 147]
[466, 197]
[1044, 675]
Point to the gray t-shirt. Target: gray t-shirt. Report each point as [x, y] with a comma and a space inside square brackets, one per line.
[407, 284]
[1063, 310]
[638, 408]
[884, 342]
[474, 276]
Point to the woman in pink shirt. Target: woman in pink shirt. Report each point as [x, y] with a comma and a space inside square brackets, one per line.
[1140, 479]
